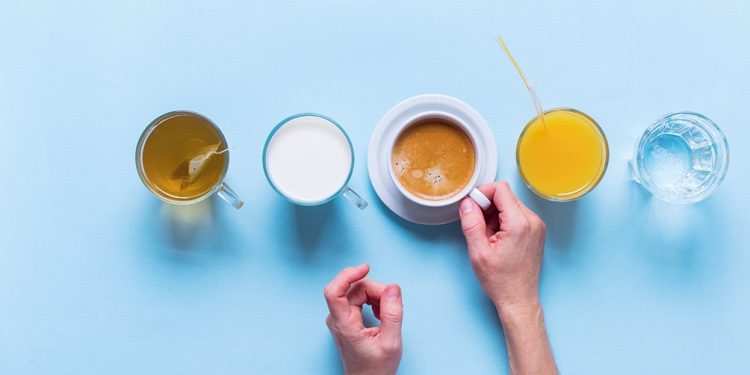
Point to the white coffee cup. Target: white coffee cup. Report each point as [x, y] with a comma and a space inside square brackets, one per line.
[468, 190]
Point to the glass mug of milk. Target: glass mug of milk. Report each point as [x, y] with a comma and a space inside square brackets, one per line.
[308, 159]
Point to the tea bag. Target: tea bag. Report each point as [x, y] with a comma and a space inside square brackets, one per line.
[189, 170]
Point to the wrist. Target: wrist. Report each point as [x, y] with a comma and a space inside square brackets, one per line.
[530, 310]
[373, 370]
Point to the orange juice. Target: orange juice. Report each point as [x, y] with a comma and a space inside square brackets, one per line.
[565, 158]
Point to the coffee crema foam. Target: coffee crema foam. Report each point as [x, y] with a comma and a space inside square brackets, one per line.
[433, 159]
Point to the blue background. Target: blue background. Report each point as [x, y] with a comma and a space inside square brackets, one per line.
[96, 276]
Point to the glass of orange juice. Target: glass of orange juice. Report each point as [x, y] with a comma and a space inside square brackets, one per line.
[563, 157]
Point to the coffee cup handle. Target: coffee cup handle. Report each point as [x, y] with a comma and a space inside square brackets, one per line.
[481, 199]
[228, 195]
[353, 197]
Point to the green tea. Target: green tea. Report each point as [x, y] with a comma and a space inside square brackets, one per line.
[183, 157]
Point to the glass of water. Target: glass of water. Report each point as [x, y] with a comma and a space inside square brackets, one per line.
[681, 158]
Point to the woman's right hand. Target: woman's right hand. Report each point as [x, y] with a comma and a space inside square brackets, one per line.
[505, 246]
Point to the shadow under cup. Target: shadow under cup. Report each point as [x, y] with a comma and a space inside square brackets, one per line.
[445, 119]
[182, 157]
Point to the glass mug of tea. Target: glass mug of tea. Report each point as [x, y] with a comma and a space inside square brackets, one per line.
[434, 161]
[308, 159]
[182, 157]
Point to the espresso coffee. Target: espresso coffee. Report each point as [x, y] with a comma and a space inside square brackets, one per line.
[434, 159]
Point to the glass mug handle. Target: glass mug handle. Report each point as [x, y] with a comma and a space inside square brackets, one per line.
[228, 195]
[353, 197]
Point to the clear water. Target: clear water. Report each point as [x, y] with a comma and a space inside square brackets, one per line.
[681, 158]
[667, 159]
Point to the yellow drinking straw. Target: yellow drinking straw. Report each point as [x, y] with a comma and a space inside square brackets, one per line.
[528, 84]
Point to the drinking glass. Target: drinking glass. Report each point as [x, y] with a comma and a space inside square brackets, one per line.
[681, 158]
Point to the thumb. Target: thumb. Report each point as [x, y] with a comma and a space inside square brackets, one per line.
[391, 315]
[473, 224]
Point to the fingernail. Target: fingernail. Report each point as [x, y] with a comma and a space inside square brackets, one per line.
[394, 292]
[466, 206]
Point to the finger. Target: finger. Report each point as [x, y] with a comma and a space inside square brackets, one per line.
[472, 224]
[493, 223]
[391, 315]
[335, 291]
[376, 310]
[510, 212]
[365, 291]
[502, 196]
[532, 217]
[524, 210]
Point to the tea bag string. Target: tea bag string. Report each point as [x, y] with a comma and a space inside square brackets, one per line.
[525, 80]
[195, 165]
[213, 152]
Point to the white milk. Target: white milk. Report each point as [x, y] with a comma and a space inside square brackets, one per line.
[308, 159]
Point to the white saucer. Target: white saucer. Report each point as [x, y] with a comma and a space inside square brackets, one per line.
[385, 134]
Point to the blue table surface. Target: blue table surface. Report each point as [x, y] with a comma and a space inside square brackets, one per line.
[97, 276]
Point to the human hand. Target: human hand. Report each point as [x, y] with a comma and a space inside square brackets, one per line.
[505, 246]
[374, 350]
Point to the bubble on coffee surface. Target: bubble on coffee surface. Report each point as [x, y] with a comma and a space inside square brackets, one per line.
[434, 176]
[189, 170]
[400, 165]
